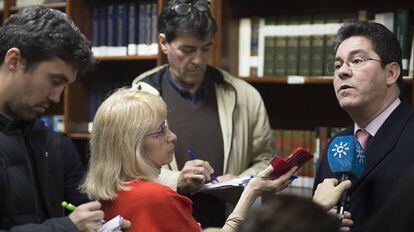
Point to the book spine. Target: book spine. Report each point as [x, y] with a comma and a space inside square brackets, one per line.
[132, 31]
[22, 3]
[154, 29]
[122, 30]
[292, 55]
[317, 49]
[293, 47]
[244, 46]
[95, 31]
[328, 43]
[111, 30]
[269, 56]
[281, 54]
[103, 24]
[278, 141]
[148, 28]
[402, 27]
[280, 47]
[269, 50]
[254, 45]
[142, 28]
[386, 19]
[304, 48]
[304, 55]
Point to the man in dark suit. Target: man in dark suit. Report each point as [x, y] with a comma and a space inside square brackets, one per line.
[397, 214]
[368, 82]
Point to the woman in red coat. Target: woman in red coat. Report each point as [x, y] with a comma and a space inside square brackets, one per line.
[130, 142]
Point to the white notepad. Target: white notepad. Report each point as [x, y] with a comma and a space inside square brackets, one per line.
[113, 225]
[242, 181]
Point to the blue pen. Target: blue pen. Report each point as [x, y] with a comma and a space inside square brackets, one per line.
[193, 156]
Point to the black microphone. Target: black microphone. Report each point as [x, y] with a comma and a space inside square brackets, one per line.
[346, 158]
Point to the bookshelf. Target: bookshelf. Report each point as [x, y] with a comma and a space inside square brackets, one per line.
[305, 102]
[119, 68]
[308, 80]
[296, 102]
[130, 57]
[302, 103]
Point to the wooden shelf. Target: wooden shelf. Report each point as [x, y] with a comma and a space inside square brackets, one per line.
[125, 58]
[79, 136]
[54, 5]
[408, 80]
[300, 80]
[290, 80]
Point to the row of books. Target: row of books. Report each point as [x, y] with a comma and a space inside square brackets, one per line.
[399, 23]
[315, 141]
[290, 45]
[99, 91]
[55, 122]
[127, 28]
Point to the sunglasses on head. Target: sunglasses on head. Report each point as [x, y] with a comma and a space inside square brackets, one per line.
[184, 8]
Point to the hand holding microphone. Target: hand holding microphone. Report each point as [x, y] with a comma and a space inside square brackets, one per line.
[329, 192]
[346, 158]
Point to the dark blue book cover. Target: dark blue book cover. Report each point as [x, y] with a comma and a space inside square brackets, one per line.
[148, 19]
[154, 28]
[103, 24]
[95, 27]
[142, 15]
[122, 29]
[112, 28]
[132, 28]
[95, 31]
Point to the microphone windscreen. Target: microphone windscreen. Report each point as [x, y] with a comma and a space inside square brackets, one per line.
[345, 155]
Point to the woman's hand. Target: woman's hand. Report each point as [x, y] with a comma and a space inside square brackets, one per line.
[261, 183]
[256, 187]
[328, 192]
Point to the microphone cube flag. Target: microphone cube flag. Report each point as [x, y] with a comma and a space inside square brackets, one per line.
[345, 155]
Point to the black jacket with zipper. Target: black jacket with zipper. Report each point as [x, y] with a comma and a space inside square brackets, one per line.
[39, 168]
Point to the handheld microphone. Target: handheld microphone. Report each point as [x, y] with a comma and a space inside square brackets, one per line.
[346, 158]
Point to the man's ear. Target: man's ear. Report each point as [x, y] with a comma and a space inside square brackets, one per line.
[13, 59]
[394, 71]
[162, 40]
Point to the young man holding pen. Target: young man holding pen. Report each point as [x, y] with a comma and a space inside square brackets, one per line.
[41, 52]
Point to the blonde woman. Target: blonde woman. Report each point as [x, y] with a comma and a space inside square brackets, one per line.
[130, 142]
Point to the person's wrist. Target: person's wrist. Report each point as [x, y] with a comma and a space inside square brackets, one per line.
[324, 206]
[184, 188]
[323, 203]
[75, 220]
[252, 189]
[181, 189]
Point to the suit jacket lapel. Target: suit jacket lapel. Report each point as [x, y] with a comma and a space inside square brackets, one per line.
[385, 139]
